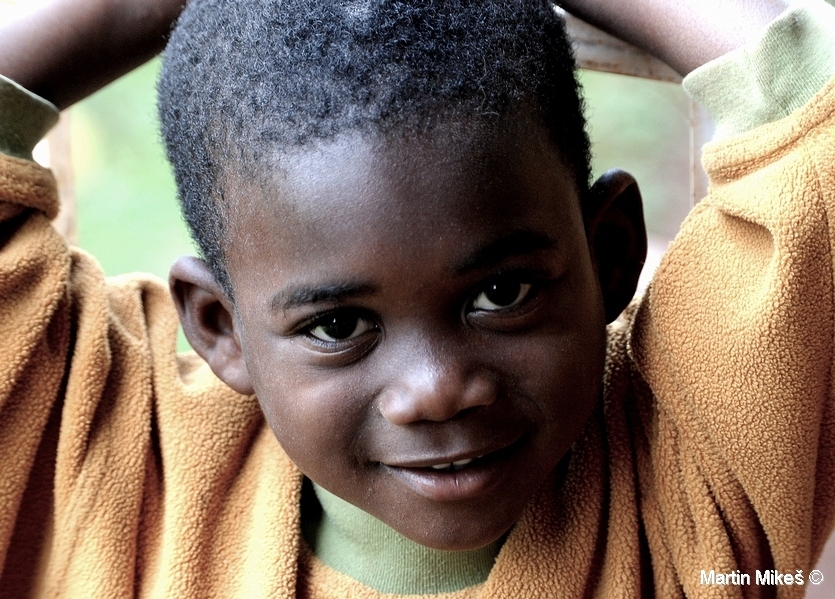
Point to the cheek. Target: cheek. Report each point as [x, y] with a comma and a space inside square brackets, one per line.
[316, 418]
[560, 368]
[561, 373]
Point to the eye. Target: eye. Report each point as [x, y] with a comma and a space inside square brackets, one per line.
[337, 327]
[501, 295]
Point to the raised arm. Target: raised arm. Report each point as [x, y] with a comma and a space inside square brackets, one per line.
[70, 48]
[685, 34]
[734, 337]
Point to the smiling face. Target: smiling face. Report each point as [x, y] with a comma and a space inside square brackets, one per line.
[421, 321]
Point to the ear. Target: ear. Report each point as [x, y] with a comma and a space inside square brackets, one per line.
[617, 237]
[207, 316]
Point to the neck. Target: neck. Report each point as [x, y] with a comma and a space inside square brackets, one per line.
[359, 545]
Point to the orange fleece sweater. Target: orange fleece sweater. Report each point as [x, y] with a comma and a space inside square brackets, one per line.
[130, 471]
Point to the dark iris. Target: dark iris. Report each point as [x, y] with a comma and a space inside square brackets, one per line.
[338, 327]
[503, 293]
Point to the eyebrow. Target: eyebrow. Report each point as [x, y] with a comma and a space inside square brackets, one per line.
[519, 242]
[516, 243]
[301, 295]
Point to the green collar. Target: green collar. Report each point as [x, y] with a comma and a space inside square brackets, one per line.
[358, 545]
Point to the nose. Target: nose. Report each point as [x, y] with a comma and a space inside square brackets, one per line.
[435, 388]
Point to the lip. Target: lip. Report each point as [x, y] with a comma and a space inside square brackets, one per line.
[470, 482]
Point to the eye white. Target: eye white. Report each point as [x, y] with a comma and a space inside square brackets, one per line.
[483, 301]
[324, 332]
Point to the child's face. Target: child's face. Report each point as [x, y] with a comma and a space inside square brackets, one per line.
[406, 303]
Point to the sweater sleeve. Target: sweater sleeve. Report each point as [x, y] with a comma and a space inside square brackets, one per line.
[95, 405]
[35, 333]
[76, 385]
[734, 339]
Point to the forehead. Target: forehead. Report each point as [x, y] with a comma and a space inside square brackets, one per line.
[396, 196]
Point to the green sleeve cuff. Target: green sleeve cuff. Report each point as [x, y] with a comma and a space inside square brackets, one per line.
[771, 77]
[24, 119]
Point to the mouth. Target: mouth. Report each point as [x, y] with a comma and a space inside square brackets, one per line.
[458, 479]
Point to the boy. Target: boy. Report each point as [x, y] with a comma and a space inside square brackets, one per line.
[404, 263]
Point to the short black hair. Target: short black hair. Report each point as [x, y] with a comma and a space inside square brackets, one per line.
[243, 80]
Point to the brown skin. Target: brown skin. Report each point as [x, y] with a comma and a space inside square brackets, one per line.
[454, 271]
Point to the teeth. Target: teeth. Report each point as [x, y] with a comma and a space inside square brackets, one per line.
[452, 465]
